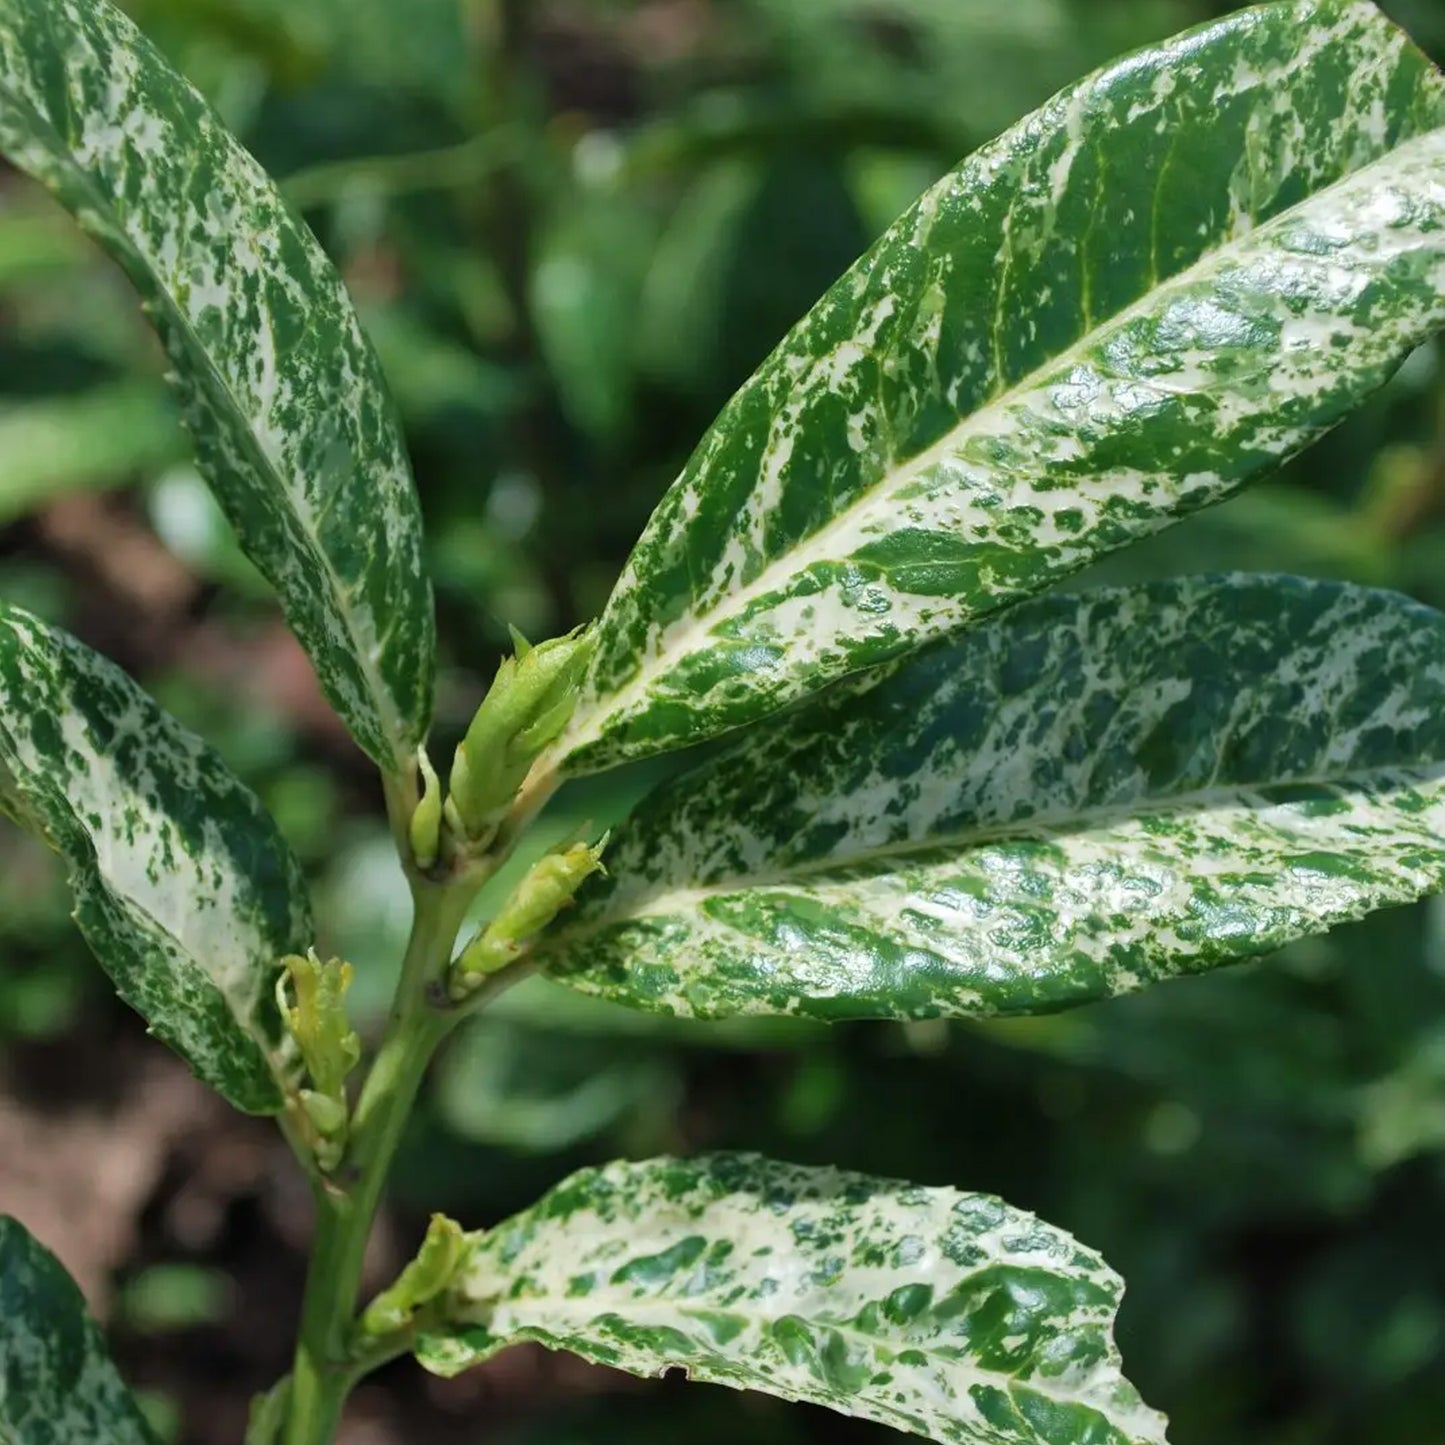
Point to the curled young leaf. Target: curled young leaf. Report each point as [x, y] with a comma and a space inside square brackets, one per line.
[948, 1315]
[184, 889]
[57, 1383]
[1177, 273]
[311, 996]
[425, 1277]
[1086, 795]
[317, 1019]
[283, 395]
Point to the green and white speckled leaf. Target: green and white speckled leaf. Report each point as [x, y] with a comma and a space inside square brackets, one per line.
[282, 393]
[1174, 275]
[57, 1383]
[184, 889]
[1079, 798]
[947, 1315]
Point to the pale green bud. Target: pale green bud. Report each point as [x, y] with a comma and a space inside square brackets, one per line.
[328, 1122]
[550, 885]
[528, 704]
[431, 1272]
[426, 822]
[317, 1019]
[328, 1115]
[329, 1048]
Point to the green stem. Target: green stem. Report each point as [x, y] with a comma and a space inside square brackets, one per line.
[324, 1371]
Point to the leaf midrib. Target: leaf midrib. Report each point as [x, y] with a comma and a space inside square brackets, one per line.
[379, 695]
[814, 548]
[659, 900]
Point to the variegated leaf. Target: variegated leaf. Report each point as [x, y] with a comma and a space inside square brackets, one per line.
[1174, 275]
[292, 422]
[948, 1315]
[1084, 796]
[57, 1384]
[183, 887]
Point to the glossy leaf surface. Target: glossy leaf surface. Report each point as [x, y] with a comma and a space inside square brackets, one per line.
[1082, 797]
[57, 1384]
[1173, 276]
[947, 1315]
[183, 888]
[279, 388]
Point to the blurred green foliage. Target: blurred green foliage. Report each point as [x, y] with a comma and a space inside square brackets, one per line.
[572, 227]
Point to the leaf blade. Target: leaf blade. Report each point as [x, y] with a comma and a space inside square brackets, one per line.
[278, 386]
[1084, 796]
[864, 1295]
[184, 889]
[929, 445]
[69, 1392]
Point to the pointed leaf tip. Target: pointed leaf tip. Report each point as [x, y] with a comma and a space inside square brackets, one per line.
[1176, 274]
[279, 388]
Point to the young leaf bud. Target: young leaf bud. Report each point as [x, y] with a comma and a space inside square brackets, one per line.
[317, 1020]
[548, 888]
[327, 1124]
[426, 821]
[528, 704]
[431, 1272]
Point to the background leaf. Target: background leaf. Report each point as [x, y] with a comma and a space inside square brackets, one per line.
[282, 393]
[529, 1090]
[1088, 795]
[57, 1384]
[1175, 275]
[965, 60]
[183, 887]
[95, 439]
[947, 1315]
